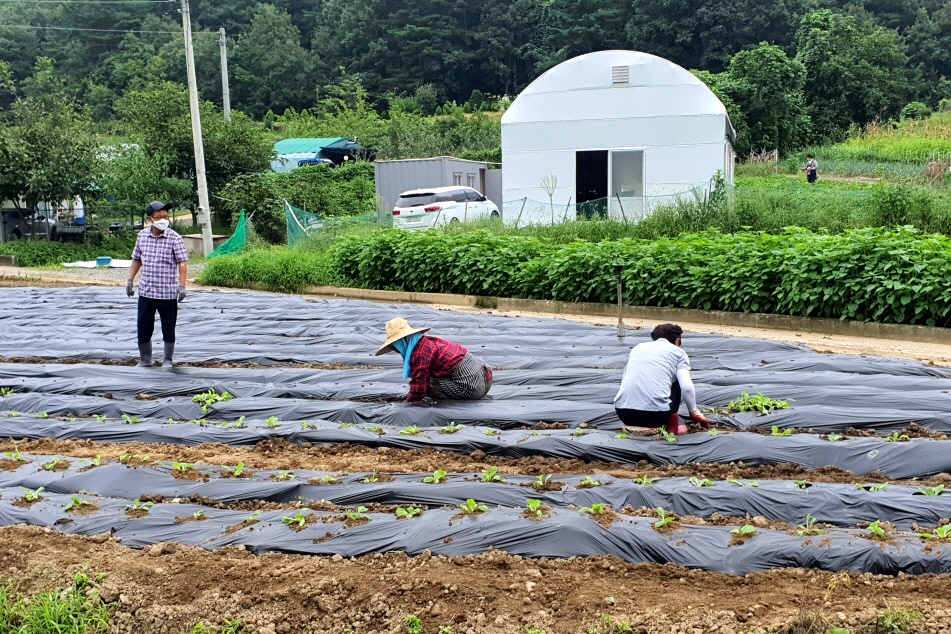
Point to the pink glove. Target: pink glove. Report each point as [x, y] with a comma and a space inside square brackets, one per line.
[697, 417]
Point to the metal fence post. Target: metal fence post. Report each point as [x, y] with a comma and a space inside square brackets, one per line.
[619, 270]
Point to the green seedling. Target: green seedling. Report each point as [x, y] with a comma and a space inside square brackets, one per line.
[72, 420]
[534, 506]
[42, 415]
[669, 437]
[285, 475]
[369, 479]
[209, 398]
[802, 484]
[199, 421]
[941, 532]
[492, 475]
[13, 414]
[138, 505]
[49, 466]
[452, 428]
[97, 461]
[413, 624]
[198, 515]
[99, 417]
[75, 503]
[15, 455]
[412, 430]
[182, 466]
[541, 480]
[32, 496]
[358, 514]
[376, 429]
[809, 528]
[594, 509]
[81, 581]
[931, 490]
[298, 520]
[785, 432]
[713, 432]
[6, 391]
[834, 437]
[645, 481]
[743, 531]
[897, 437]
[408, 513]
[665, 518]
[621, 436]
[131, 420]
[757, 403]
[251, 519]
[872, 487]
[471, 507]
[273, 421]
[305, 425]
[697, 482]
[876, 529]
[579, 432]
[236, 471]
[491, 432]
[236, 424]
[345, 425]
[332, 479]
[589, 482]
[740, 483]
[436, 478]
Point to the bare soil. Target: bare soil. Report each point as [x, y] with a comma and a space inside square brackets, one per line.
[492, 593]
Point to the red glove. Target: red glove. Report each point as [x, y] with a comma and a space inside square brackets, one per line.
[699, 418]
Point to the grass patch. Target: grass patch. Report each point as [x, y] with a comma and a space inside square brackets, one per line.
[43, 253]
[66, 612]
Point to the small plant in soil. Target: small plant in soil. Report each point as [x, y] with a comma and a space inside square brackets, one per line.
[876, 530]
[13, 414]
[809, 528]
[198, 515]
[897, 437]
[138, 505]
[99, 417]
[436, 478]
[541, 481]
[881, 486]
[645, 481]
[757, 403]
[272, 422]
[740, 483]
[471, 507]
[209, 398]
[201, 422]
[665, 518]
[621, 436]
[6, 391]
[376, 429]
[305, 425]
[237, 471]
[75, 503]
[491, 432]
[345, 425]
[131, 420]
[298, 520]
[777, 432]
[897, 620]
[49, 466]
[334, 480]
[941, 532]
[412, 430]
[697, 482]
[669, 437]
[451, 428]
[744, 531]
[285, 475]
[588, 483]
[936, 490]
[253, 518]
[368, 480]
[32, 496]
[358, 514]
[97, 461]
[713, 432]
[408, 513]
[492, 475]
[802, 484]
[182, 467]
[15, 455]
[413, 624]
[534, 506]
[594, 509]
[579, 432]
[42, 415]
[236, 424]
[834, 437]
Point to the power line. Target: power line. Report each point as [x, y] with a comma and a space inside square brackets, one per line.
[76, 28]
[92, 1]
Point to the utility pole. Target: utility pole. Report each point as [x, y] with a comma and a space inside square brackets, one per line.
[225, 88]
[204, 210]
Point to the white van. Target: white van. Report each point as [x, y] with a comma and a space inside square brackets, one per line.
[422, 209]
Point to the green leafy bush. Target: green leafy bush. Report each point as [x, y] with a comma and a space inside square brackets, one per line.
[46, 252]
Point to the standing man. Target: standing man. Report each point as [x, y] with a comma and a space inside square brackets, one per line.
[160, 254]
[812, 168]
[656, 378]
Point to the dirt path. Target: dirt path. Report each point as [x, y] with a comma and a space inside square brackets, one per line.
[169, 588]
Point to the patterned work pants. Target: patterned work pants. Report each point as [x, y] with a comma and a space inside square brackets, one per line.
[466, 382]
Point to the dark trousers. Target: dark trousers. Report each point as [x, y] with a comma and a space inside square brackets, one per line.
[812, 176]
[168, 313]
[643, 418]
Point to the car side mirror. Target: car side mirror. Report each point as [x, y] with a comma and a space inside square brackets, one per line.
[482, 199]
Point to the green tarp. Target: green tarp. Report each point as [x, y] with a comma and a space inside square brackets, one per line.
[237, 242]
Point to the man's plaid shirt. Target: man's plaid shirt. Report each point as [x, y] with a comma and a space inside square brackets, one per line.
[160, 257]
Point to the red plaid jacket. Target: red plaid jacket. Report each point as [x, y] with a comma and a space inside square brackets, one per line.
[433, 356]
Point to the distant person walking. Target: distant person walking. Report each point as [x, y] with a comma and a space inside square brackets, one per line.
[161, 256]
[812, 168]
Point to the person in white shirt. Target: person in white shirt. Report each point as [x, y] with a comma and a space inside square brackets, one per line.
[656, 378]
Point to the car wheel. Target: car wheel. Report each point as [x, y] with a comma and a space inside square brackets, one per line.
[454, 221]
[495, 216]
[15, 234]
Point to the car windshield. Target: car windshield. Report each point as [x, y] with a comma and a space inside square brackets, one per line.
[412, 199]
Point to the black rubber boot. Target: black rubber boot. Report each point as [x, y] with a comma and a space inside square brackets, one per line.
[169, 351]
[145, 354]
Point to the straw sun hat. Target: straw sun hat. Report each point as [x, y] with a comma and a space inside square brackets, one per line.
[396, 329]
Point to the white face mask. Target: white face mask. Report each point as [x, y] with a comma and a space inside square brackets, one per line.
[161, 225]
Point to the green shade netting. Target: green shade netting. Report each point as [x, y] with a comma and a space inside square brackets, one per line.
[237, 241]
[299, 222]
